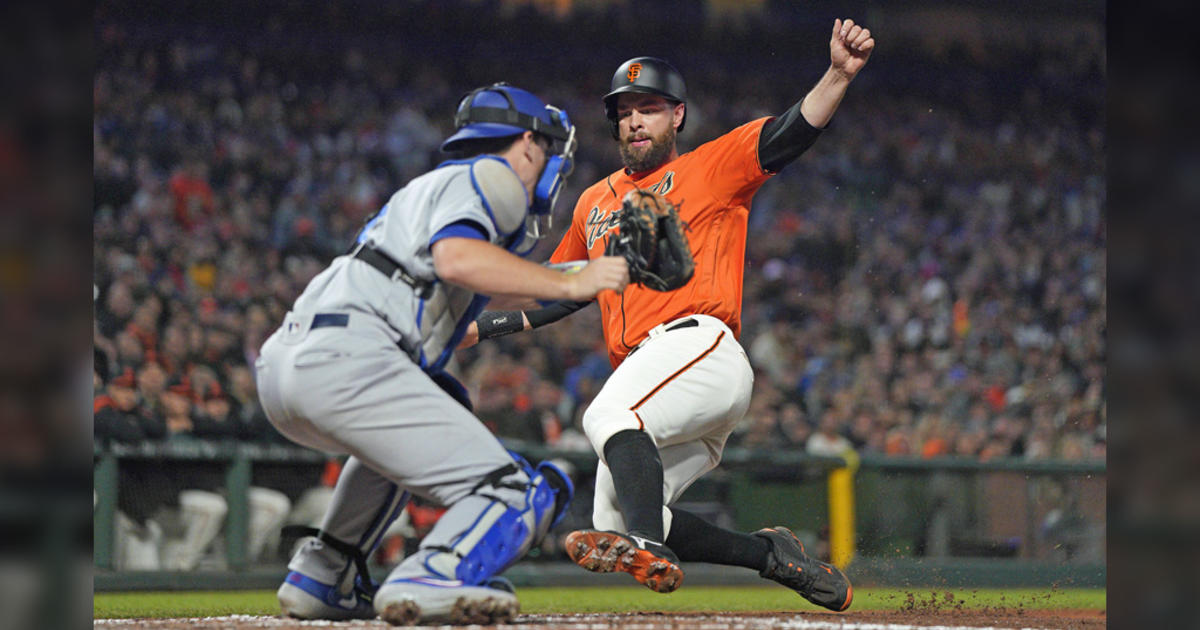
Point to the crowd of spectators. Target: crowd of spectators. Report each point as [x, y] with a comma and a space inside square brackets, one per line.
[928, 280]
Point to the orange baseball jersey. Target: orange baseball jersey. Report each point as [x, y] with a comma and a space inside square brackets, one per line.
[713, 186]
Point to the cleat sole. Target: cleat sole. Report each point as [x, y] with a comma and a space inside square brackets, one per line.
[401, 613]
[603, 552]
[421, 604]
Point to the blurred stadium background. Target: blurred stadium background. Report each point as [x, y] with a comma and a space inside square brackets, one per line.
[925, 288]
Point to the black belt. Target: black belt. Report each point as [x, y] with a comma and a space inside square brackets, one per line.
[687, 323]
[394, 270]
[337, 320]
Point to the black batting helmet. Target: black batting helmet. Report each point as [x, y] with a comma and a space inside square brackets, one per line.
[646, 75]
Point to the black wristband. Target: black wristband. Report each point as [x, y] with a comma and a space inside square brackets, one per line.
[553, 313]
[499, 323]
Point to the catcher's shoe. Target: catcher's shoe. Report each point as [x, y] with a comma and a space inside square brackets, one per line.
[428, 600]
[820, 583]
[649, 562]
[305, 598]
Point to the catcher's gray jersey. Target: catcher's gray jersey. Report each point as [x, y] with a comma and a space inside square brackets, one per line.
[457, 199]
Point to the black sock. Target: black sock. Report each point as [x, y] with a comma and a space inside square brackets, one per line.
[695, 540]
[638, 477]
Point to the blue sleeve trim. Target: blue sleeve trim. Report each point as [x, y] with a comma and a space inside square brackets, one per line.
[475, 184]
[465, 228]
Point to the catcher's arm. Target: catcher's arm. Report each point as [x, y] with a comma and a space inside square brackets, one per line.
[486, 268]
[521, 303]
[499, 323]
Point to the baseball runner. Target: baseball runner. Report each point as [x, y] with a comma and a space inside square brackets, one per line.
[357, 368]
[682, 381]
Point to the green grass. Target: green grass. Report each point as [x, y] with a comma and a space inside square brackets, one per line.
[183, 604]
[612, 599]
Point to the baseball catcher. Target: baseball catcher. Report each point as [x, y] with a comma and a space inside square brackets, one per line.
[651, 239]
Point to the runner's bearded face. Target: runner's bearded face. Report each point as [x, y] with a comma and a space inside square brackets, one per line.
[647, 134]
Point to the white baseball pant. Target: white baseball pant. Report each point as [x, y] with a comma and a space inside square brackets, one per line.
[687, 387]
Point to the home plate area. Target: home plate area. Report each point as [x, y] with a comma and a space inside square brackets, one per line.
[1007, 619]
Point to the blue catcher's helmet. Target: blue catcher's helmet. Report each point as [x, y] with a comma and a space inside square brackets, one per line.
[500, 110]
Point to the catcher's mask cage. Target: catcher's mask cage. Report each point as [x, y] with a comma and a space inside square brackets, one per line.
[645, 75]
[500, 110]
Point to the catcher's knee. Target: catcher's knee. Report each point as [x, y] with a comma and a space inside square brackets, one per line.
[504, 531]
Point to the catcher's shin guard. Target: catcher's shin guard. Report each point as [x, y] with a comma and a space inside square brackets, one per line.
[501, 531]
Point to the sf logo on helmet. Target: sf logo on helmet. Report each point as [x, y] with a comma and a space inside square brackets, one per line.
[635, 71]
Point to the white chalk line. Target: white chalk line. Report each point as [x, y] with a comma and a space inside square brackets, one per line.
[565, 622]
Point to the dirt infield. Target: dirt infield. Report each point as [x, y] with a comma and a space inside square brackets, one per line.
[868, 620]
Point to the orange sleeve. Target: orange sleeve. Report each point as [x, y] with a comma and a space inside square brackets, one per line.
[730, 163]
[572, 246]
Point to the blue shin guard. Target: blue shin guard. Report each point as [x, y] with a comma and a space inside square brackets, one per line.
[522, 504]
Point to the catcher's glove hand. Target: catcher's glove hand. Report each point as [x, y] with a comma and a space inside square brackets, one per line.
[651, 239]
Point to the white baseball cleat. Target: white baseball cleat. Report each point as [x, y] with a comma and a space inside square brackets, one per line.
[408, 601]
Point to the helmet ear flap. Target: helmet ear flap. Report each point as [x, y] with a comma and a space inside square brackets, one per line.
[610, 112]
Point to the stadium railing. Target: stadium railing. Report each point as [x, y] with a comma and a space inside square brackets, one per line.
[909, 515]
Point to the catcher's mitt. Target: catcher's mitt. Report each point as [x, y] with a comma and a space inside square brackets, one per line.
[651, 239]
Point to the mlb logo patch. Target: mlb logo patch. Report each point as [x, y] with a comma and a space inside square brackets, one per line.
[294, 329]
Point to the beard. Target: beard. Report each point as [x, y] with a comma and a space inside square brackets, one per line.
[638, 160]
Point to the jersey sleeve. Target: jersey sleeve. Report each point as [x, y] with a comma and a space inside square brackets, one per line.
[785, 138]
[573, 245]
[730, 162]
[460, 203]
[460, 229]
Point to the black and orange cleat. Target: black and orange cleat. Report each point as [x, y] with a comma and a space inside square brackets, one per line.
[649, 562]
[820, 583]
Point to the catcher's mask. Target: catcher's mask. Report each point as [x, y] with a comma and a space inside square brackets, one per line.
[645, 75]
[500, 110]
